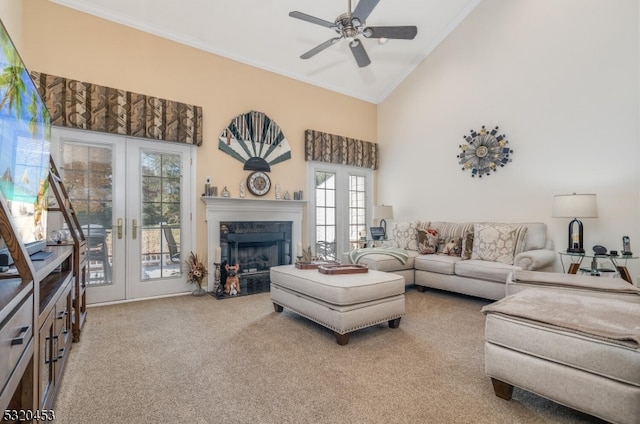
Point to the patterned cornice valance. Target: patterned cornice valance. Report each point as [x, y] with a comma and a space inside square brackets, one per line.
[323, 147]
[76, 104]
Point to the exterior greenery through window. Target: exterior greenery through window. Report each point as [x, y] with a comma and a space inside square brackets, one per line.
[87, 177]
[161, 175]
[87, 173]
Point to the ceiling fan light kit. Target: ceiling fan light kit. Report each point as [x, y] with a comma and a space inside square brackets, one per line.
[352, 25]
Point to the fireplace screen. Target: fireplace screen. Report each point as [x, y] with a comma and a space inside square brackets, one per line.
[256, 246]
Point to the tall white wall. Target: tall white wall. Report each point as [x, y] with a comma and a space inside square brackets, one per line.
[11, 16]
[561, 80]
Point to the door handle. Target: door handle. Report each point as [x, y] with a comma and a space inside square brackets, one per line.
[119, 226]
[135, 229]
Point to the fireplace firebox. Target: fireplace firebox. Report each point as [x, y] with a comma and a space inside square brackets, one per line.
[256, 246]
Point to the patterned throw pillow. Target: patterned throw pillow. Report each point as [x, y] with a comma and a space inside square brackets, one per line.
[427, 241]
[405, 234]
[390, 244]
[451, 246]
[497, 242]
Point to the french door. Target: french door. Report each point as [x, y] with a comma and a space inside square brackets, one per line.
[339, 209]
[133, 200]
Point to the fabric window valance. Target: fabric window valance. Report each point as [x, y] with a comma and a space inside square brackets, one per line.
[76, 104]
[324, 147]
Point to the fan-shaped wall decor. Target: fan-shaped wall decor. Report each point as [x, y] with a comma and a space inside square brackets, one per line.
[484, 152]
[255, 140]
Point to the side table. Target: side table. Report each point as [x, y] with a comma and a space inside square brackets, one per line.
[577, 258]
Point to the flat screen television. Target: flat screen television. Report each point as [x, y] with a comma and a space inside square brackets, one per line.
[25, 144]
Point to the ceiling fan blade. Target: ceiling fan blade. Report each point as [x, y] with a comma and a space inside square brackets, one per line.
[364, 9]
[394, 32]
[362, 58]
[312, 19]
[314, 51]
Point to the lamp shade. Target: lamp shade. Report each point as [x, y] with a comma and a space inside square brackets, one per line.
[382, 212]
[575, 206]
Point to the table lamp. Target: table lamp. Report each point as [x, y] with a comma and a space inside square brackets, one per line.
[575, 206]
[383, 212]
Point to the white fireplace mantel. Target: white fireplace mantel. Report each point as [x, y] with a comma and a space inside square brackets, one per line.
[221, 209]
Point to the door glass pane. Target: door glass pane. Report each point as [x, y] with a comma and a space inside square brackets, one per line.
[87, 176]
[160, 227]
[325, 195]
[357, 209]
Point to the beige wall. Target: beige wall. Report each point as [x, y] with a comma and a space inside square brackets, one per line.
[561, 79]
[68, 43]
[11, 15]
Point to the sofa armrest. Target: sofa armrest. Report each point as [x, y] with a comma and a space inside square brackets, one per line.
[535, 259]
[602, 287]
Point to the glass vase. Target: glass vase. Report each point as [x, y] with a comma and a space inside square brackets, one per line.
[198, 291]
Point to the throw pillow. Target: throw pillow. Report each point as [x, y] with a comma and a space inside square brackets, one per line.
[427, 241]
[467, 245]
[405, 234]
[497, 242]
[390, 243]
[451, 246]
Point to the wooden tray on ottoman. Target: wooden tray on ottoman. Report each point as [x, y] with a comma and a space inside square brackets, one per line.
[343, 269]
[314, 264]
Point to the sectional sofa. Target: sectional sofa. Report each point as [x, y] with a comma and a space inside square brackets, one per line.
[472, 258]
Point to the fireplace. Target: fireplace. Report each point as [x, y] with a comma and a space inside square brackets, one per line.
[255, 246]
[268, 215]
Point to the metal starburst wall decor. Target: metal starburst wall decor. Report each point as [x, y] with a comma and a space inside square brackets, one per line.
[484, 152]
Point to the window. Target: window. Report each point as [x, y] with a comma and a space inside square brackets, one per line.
[357, 209]
[340, 205]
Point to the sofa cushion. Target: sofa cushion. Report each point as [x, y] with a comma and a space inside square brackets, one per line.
[484, 270]
[497, 242]
[442, 264]
[405, 234]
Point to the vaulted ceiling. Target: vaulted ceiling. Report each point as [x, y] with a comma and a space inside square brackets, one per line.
[261, 33]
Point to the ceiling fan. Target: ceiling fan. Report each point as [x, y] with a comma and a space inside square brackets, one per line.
[350, 26]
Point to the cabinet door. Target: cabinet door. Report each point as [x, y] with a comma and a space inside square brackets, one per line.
[62, 328]
[46, 360]
[15, 335]
[16, 349]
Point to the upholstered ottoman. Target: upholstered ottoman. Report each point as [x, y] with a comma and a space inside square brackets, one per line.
[343, 303]
[576, 348]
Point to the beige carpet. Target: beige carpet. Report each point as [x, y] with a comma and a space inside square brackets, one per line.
[199, 360]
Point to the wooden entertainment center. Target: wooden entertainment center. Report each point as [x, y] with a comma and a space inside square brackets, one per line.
[42, 311]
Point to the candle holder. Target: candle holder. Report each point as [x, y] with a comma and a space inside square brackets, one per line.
[299, 258]
[216, 277]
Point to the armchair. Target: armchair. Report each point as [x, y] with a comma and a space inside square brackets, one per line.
[570, 338]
